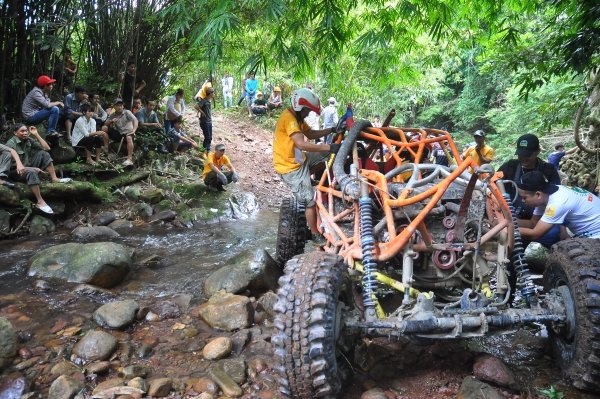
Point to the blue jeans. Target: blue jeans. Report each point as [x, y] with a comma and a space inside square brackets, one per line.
[49, 113]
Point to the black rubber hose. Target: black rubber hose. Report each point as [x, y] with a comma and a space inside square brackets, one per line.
[348, 184]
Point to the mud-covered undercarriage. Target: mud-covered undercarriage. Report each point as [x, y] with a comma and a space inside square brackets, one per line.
[419, 249]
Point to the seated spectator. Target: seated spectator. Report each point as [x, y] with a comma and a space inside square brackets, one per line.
[73, 102]
[175, 109]
[218, 170]
[179, 140]
[8, 155]
[557, 205]
[137, 105]
[37, 106]
[149, 127]
[259, 106]
[122, 124]
[275, 101]
[86, 135]
[98, 113]
[34, 159]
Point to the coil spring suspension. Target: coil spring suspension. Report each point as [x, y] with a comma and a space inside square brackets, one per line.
[367, 242]
[524, 282]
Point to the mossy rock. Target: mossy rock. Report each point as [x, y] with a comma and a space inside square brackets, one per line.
[164, 204]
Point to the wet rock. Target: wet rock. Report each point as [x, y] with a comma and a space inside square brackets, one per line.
[182, 301]
[239, 341]
[107, 384]
[24, 365]
[166, 310]
[98, 367]
[121, 224]
[218, 348]
[258, 273]
[205, 384]
[132, 192]
[235, 368]
[375, 393]
[117, 314]
[491, 369]
[143, 210]
[227, 311]
[64, 367]
[104, 264]
[95, 345]
[64, 388]
[4, 222]
[205, 395]
[165, 216]
[8, 342]
[226, 383]
[243, 205]
[256, 365]
[139, 383]
[151, 316]
[93, 291]
[266, 303]
[41, 226]
[13, 385]
[160, 387]
[472, 388]
[151, 261]
[152, 196]
[105, 218]
[42, 286]
[129, 372]
[88, 233]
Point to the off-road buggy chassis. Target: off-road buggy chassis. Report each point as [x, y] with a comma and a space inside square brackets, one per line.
[423, 250]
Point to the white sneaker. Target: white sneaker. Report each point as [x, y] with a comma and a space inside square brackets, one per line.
[128, 163]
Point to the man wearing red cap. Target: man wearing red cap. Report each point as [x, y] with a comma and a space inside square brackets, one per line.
[37, 106]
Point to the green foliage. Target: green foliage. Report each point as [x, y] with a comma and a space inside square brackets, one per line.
[551, 393]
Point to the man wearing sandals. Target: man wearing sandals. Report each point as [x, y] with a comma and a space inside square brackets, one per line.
[34, 158]
[122, 124]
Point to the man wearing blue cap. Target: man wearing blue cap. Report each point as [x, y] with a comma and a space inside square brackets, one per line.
[557, 205]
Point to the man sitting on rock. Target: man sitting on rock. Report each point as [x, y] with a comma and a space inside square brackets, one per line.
[149, 127]
[7, 155]
[37, 106]
[122, 124]
[215, 175]
[34, 159]
[73, 102]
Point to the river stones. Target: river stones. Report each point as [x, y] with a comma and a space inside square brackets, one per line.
[105, 218]
[227, 311]
[8, 342]
[472, 388]
[152, 196]
[117, 314]
[160, 387]
[229, 387]
[375, 393]
[95, 345]
[4, 222]
[13, 385]
[41, 226]
[218, 348]
[104, 264]
[260, 272]
[64, 388]
[165, 216]
[93, 232]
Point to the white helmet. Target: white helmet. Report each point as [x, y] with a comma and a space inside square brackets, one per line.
[305, 98]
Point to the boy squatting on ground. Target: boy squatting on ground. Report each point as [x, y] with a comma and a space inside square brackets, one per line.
[573, 207]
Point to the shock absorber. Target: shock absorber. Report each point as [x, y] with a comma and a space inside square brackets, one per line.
[367, 242]
[524, 281]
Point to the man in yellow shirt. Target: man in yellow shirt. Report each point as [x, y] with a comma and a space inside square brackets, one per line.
[480, 152]
[218, 170]
[294, 154]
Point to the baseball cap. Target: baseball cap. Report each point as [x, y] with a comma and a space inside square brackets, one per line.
[259, 93]
[118, 100]
[277, 88]
[536, 181]
[527, 144]
[44, 80]
[479, 133]
[220, 147]
[331, 100]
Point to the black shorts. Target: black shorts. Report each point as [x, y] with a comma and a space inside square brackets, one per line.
[114, 134]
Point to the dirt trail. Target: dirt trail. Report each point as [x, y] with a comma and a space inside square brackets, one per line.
[249, 146]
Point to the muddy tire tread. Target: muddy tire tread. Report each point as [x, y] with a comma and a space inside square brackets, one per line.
[304, 342]
[292, 230]
[580, 260]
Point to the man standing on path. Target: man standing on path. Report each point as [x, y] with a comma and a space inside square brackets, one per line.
[251, 88]
[528, 149]
[556, 205]
[293, 155]
[330, 117]
[132, 85]
[480, 152]
[206, 117]
[218, 170]
[37, 106]
[227, 83]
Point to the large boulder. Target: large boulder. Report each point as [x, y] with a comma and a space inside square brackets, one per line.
[227, 311]
[103, 264]
[8, 342]
[261, 272]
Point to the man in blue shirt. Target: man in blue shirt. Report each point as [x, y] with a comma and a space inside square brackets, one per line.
[555, 157]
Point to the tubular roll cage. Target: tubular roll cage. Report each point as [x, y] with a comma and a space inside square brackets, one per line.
[397, 143]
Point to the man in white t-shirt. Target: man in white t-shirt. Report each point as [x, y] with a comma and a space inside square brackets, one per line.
[330, 117]
[573, 207]
[227, 83]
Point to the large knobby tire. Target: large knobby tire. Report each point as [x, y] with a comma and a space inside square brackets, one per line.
[308, 321]
[292, 231]
[574, 270]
